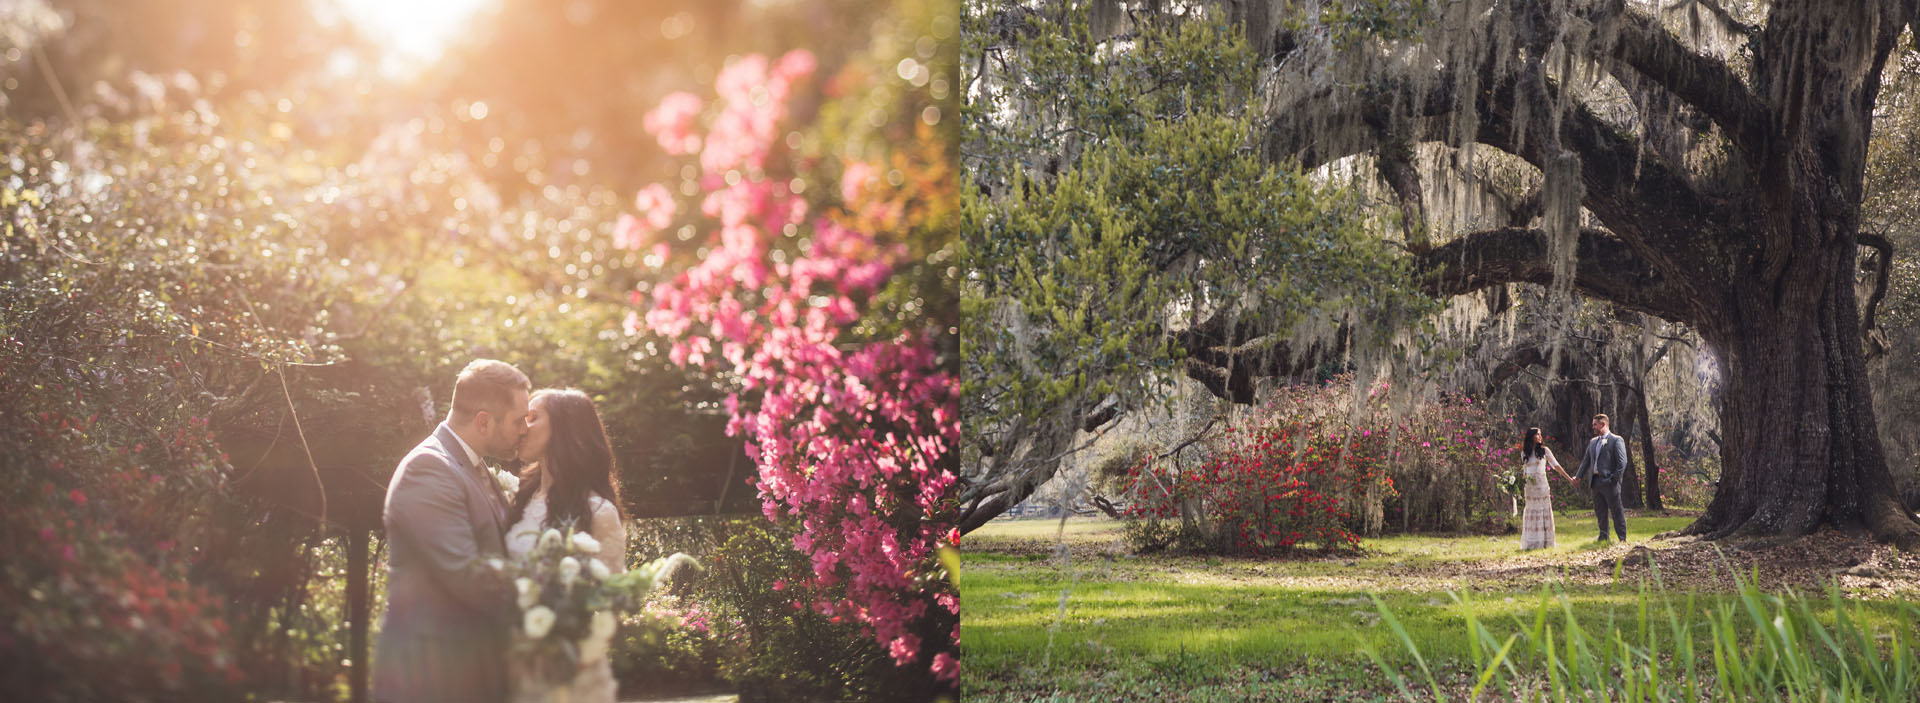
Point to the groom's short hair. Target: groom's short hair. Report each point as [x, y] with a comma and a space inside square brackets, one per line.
[488, 385]
[1603, 418]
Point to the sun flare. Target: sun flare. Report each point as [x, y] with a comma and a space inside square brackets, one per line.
[413, 30]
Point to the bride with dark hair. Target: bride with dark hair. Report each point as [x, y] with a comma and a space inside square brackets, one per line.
[1536, 523]
[569, 483]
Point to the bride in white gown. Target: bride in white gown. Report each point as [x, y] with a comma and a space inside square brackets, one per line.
[568, 482]
[1536, 524]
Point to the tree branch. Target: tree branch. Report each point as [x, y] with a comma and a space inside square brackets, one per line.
[1228, 356]
[1604, 268]
[1705, 83]
[1642, 201]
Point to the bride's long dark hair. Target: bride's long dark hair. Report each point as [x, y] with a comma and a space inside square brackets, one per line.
[1530, 445]
[579, 461]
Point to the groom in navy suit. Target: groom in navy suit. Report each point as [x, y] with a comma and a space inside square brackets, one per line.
[1602, 466]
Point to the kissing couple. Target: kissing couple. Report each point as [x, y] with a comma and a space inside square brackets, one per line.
[446, 633]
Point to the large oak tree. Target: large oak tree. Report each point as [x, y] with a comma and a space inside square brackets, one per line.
[1696, 162]
[1728, 199]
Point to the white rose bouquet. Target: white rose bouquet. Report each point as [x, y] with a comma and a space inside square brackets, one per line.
[567, 604]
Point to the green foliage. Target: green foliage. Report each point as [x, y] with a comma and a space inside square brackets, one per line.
[791, 652]
[1353, 22]
[1758, 646]
[1118, 199]
[671, 648]
[148, 293]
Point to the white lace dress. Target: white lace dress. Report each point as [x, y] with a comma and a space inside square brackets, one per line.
[593, 683]
[1536, 522]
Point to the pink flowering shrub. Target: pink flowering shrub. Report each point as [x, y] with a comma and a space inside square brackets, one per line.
[851, 436]
[671, 646]
[1448, 462]
[1306, 469]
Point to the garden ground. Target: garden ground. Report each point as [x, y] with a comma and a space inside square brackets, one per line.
[1064, 612]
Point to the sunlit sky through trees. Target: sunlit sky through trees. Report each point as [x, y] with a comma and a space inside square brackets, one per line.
[413, 32]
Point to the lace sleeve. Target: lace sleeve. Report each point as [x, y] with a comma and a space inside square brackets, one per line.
[612, 535]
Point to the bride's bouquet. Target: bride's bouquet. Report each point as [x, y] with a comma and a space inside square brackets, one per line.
[568, 603]
[1512, 483]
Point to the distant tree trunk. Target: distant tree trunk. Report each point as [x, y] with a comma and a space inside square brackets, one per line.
[1646, 450]
[1374, 516]
[1629, 481]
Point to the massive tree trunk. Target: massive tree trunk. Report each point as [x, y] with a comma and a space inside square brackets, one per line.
[1800, 447]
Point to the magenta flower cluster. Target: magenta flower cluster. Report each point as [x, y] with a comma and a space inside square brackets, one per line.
[850, 437]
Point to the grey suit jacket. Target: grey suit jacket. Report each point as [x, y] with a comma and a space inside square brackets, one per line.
[1605, 460]
[444, 636]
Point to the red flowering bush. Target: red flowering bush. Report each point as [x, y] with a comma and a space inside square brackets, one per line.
[1277, 485]
[1307, 469]
[98, 600]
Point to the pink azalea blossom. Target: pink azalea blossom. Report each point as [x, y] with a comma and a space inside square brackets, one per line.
[656, 206]
[946, 667]
[672, 123]
[853, 181]
[845, 436]
[628, 232]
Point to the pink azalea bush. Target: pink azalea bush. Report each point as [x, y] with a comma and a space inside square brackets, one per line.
[850, 436]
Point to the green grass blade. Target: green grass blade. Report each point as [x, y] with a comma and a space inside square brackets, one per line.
[1494, 667]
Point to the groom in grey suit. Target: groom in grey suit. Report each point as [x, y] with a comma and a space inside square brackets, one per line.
[444, 637]
[1602, 467]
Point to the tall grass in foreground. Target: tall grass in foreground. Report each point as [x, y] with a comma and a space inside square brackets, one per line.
[1754, 646]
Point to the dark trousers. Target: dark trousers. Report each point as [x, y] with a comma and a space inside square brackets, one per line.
[1606, 501]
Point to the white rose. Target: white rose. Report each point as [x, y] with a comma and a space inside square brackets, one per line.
[599, 634]
[549, 539]
[529, 592]
[569, 570]
[598, 569]
[585, 543]
[508, 482]
[538, 621]
[496, 563]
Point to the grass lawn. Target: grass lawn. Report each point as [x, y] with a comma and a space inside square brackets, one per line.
[1053, 614]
